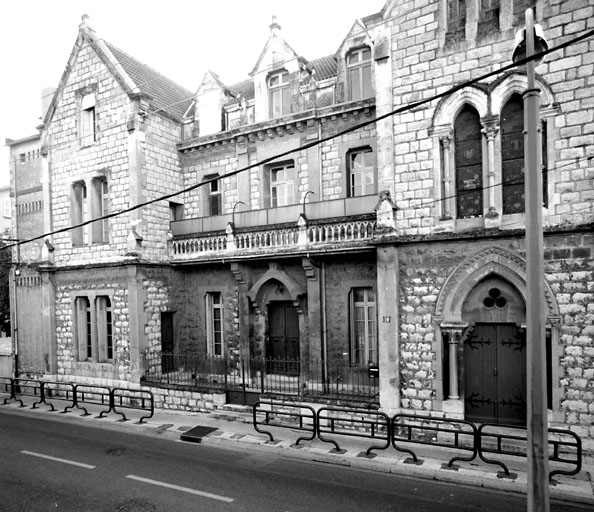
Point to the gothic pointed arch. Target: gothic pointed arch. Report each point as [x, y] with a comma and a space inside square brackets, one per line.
[450, 106]
[284, 285]
[491, 261]
[513, 83]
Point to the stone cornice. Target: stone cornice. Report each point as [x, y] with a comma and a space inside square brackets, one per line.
[283, 126]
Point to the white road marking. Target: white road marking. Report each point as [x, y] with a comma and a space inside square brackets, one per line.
[179, 488]
[56, 459]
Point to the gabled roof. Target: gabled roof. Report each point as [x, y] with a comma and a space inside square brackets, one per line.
[164, 95]
[326, 67]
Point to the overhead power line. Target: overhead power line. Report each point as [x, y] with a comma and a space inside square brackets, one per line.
[321, 140]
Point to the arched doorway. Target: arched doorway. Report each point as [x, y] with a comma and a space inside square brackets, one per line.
[482, 304]
[494, 352]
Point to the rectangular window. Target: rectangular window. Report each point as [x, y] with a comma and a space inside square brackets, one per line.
[88, 120]
[280, 94]
[282, 185]
[359, 74]
[488, 17]
[361, 172]
[363, 326]
[176, 211]
[78, 212]
[83, 330]
[100, 208]
[214, 324]
[214, 198]
[94, 328]
[456, 20]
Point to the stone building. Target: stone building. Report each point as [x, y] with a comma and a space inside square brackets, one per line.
[310, 217]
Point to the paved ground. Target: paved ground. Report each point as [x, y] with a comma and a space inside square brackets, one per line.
[234, 428]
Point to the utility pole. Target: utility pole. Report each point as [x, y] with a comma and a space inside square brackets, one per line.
[538, 459]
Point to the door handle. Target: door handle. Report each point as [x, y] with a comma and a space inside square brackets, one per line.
[495, 371]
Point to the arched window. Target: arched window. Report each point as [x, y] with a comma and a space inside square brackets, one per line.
[512, 155]
[359, 74]
[468, 159]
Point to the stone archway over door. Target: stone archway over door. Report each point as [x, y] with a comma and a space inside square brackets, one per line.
[495, 374]
[483, 304]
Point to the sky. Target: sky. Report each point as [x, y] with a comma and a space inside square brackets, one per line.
[182, 39]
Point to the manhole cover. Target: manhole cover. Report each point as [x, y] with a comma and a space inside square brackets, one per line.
[136, 506]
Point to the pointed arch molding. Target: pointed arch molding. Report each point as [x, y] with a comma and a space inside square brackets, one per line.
[449, 107]
[293, 288]
[492, 261]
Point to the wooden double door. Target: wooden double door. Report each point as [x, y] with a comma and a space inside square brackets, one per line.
[495, 374]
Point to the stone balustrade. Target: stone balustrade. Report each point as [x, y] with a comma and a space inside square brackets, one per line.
[340, 234]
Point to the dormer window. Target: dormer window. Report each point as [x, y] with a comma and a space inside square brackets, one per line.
[359, 74]
[87, 120]
[280, 94]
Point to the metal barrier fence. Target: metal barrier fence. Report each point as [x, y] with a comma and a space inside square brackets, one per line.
[565, 446]
[294, 417]
[460, 435]
[77, 394]
[300, 378]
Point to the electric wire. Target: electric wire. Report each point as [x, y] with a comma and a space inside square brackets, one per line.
[358, 126]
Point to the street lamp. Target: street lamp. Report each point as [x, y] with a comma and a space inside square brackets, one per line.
[538, 461]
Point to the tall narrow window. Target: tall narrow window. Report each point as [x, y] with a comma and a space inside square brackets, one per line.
[78, 212]
[488, 17]
[99, 209]
[83, 329]
[214, 197]
[359, 74]
[87, 120]
[468, 159]
[361, 172]
[512, 155]
[282, 185]
[176, 211]
[104, 328]
[456, 19]
[214, 324]
[280, 94]
[363, 326]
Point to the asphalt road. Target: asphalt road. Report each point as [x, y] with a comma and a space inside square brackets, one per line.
[54, 465]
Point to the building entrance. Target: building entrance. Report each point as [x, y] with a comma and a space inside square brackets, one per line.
[495, 374]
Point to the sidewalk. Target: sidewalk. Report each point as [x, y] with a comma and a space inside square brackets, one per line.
[234, 430]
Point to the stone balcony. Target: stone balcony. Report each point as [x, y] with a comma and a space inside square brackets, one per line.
[342, 225]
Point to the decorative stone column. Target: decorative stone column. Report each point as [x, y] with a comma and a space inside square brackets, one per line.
[490, 130]
[447, 202]
[453, 406]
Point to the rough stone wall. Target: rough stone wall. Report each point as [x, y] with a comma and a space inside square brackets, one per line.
[161, 176]
[70, 162]
[188, 301]
[334, 157]
[342, 275]
[424, 65]
[213, 159]
[570, 273]
[66, 349]
[158, 299]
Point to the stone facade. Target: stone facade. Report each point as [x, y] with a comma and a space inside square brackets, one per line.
[286, 234]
